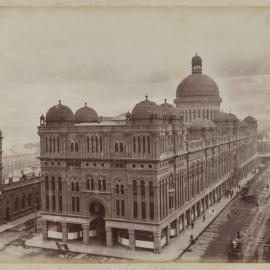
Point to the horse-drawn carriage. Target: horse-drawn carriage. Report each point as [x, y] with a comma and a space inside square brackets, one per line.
[235, 249]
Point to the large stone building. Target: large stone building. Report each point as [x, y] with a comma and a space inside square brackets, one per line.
[18, 195]
[141, 182]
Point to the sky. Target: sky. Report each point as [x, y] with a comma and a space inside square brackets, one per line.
[111, 57]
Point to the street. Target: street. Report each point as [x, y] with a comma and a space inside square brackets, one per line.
[240, 216]
[250, 220]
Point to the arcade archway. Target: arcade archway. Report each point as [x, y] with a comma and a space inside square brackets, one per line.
[97, 223]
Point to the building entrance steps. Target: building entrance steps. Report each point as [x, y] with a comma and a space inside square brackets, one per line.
[170, 252]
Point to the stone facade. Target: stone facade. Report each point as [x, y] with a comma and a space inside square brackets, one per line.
[137, 183]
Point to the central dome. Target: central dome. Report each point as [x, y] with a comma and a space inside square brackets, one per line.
[197, 84]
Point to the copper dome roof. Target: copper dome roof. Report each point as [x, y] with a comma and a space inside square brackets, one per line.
[59, 113]
[85, 115]
[197, 84]
[145, 109]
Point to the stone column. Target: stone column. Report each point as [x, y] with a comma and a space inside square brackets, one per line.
[64, 232]
[157, 241]
[85, 228]
[108, 236]
[131, 239]
[44, 226]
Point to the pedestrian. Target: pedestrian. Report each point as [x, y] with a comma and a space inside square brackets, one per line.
[203, 217]
[191, 239]
[228, 216]
[238, 234]
[192, 225]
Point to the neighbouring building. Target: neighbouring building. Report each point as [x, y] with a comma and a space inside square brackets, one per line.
[141, 182]
[19, 194]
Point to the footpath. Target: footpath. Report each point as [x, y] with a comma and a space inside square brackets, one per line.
[173, 251]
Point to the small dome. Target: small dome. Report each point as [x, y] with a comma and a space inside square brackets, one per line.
[145, 109]
[167, 108]
[42, 117]
[250, 119]
[59, 113]
[201, 124]
[85, 115]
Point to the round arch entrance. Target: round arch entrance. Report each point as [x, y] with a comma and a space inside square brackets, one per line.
[97, 223]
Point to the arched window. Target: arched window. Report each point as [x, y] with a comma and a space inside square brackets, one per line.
[116, 147]
[143, 144]
[58, 144]
[59, 184]
[121, 147]
[77, 187]
[142, 188]
[104, 185]
[148, 142]
[139, 144]
[72, 147]
[88, 144]
[29, 199]
[76, 147]
[151, 189]
[46, 183]
[50, 144]
[100, 142]
[92, 144]
[122, 189]
[134, 144]
[96, 144]
[88, 183]
[134, 187]
[117, 190]
[92, 184]
[53, 183]
[53, 144]
[72, 186]
[99, 184]
[46, 144]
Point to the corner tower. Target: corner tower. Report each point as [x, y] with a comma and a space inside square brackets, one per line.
[197, 96]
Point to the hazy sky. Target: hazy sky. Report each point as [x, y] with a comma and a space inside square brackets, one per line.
[111, 57]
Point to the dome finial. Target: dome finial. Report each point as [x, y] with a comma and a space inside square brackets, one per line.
[59, 101]
[165, 99]
[85, 104]
[146, 97]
